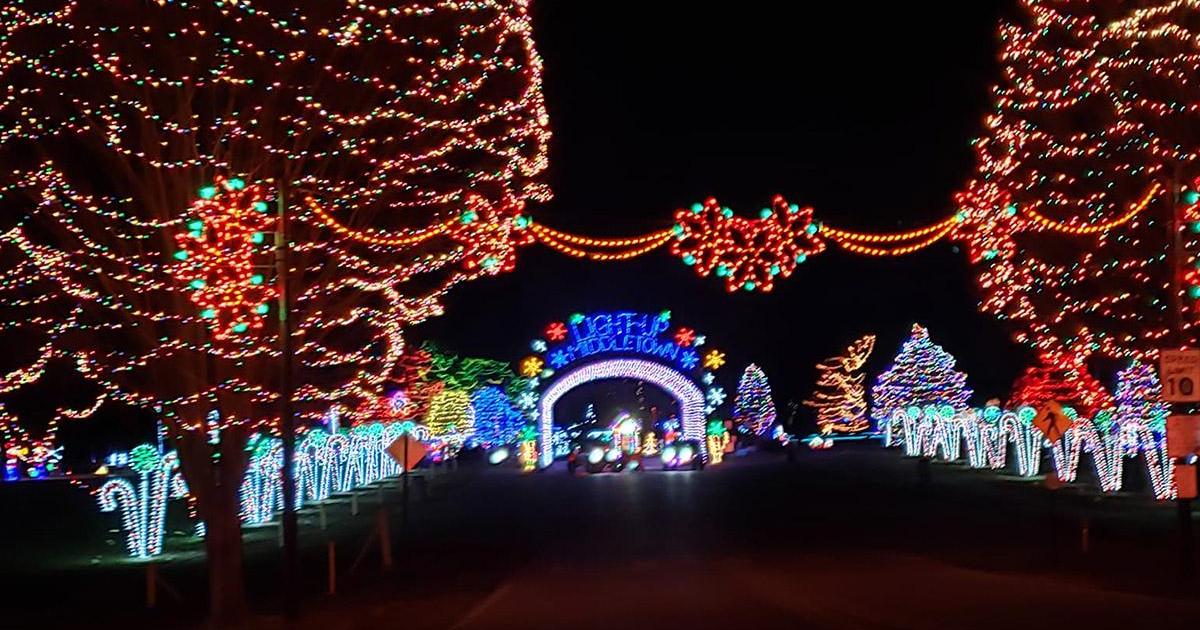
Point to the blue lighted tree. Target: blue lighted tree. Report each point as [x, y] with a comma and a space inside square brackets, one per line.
[922, 374]
[497, 420]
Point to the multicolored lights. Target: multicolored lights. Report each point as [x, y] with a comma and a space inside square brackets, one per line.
[223, 253]
[399, 181]
[620, 345]
[921, 374]
[686, 392]
[1090, 131]
[753, 408]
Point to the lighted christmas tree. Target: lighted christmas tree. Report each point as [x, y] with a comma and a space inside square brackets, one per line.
[1061, 379]
[921, 374]
[1094, 132]
[451, 415]
[753, 407]
[1139, 399]
[466, 373]
[497, 420]
[840, 398]
[148, 149]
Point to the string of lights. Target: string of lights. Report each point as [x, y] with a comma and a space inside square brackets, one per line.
[400, 181]
[751, 253]
[1091, 128]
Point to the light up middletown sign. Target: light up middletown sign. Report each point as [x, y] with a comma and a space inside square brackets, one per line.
[621, 345]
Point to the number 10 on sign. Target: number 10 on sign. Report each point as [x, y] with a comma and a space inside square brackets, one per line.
[1180, 372]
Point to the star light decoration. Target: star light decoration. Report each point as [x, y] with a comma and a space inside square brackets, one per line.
[556, 331]
[531, 366]
[714, 359]
[748, 253]
[685, 336]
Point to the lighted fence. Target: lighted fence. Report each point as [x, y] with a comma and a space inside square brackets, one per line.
[326, 464]
[989, 436]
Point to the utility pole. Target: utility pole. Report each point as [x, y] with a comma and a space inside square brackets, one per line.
[1180, 341]
[287, 428]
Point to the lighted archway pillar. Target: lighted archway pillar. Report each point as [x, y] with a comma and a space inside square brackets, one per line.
[672, 381]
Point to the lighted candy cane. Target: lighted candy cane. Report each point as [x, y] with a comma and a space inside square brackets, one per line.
[1160, 467]
[367, 454]
[986, 445]
[1108, 456]
[261, 490]
[116, 494]
[340, 462]
[317, 469]
[947, 431]
[144, 507]
[391, 432]
[893, 429]
[1018, 429]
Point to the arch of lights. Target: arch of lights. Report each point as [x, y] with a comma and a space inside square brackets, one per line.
[621, 345]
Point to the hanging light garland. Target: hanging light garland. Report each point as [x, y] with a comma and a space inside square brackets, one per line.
[749, 254]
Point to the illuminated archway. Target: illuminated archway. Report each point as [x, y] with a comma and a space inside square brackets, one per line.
[622, 345]
[691, 400]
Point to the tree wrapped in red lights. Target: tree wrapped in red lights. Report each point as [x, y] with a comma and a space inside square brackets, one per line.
[840, 399]
[1061, 379]
[1094, 133]
[753, 408]
[922, 374]
[401, 167]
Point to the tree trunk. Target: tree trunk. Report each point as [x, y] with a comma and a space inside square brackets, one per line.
[223, 546]
[214, 479]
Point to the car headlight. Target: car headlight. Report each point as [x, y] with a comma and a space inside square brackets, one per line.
[685, 454]
[668, 454]
[595, 455]
[498, 456]
[612, 455]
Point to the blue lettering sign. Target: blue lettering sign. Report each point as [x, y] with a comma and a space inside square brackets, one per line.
[623, 332]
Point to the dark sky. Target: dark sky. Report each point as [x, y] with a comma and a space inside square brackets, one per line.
[863, 110]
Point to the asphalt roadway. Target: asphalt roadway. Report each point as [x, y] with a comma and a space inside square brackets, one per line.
[846, 538]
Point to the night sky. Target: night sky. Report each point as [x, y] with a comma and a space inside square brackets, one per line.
[865, 112]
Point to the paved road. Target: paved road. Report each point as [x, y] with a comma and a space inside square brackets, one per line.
[839, 539]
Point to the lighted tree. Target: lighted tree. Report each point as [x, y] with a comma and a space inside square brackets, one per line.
[753, 407]
[467, 373]
[451, 415]
[1139, 399]
[921, 374]
[133, 131]
[497, 420]
[1061, 379]
[1094, 129]
[840, 398]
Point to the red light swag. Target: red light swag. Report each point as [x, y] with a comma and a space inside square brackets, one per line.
[749, 254]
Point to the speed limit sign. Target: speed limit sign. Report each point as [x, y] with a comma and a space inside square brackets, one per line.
[1180, 373]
